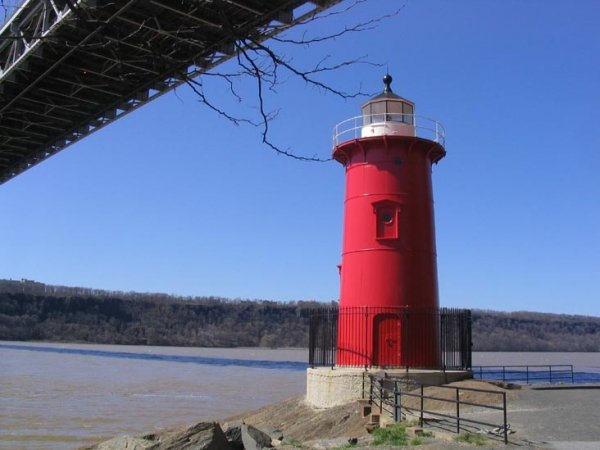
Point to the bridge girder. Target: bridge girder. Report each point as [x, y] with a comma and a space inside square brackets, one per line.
[71, 67]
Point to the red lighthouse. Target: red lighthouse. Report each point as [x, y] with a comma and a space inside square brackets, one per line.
[388, 315]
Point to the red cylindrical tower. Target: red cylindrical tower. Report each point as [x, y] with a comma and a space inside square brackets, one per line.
[389, 301]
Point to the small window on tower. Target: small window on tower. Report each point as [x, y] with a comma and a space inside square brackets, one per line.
[387, 220]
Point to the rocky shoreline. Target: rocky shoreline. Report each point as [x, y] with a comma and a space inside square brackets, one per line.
[291, 423]
[552, 417]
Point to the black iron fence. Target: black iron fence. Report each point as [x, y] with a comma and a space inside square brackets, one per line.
[391, 337]
[399, 397]
[530, 374]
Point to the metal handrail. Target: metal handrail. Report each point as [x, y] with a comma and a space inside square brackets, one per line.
[553, 373]
[381, 393]
[424, 127]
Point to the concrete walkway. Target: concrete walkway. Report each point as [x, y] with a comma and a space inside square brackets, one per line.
[560, 417]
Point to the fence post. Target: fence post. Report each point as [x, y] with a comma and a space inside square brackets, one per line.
[421, 417]
[310, 340]
[550, 369]
[363, 386]
[527, 373]
[457, 411]
[366, 331]
[333, 338]
[572, 377]
[406, 334]
[505, 424]
[397, 404]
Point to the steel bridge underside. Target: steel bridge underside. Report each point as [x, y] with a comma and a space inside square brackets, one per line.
[70, 67]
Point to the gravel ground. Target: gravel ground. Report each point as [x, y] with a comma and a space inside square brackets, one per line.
[555, 417]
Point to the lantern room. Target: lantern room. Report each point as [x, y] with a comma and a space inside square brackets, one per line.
[388, 113]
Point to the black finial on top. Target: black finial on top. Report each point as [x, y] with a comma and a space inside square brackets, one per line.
[387, 80]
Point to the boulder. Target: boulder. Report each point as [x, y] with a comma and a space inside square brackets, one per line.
[254, 439]
[126, 442]
[201, 436]
[233, 433]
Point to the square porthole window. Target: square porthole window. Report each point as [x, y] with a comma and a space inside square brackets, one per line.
[387, 218]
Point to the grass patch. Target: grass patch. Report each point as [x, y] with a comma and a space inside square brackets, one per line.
[393, 435]
[416, 441]
[471, 438]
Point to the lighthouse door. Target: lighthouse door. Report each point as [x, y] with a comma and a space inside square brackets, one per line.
[387, 340]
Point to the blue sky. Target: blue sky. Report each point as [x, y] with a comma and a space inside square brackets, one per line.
[174, 199]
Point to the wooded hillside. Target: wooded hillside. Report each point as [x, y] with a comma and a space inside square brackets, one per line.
[35, 311]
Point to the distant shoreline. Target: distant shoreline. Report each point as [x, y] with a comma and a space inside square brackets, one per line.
[33, 341]
[68, 316]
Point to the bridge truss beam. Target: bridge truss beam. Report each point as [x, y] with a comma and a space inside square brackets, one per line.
[70, 67]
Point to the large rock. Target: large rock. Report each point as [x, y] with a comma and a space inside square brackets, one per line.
[126, 442]
[254, 439]
[233, 433]
[202, 436]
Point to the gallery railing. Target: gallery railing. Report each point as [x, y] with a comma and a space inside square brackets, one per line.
[387, 124]
[444, 332]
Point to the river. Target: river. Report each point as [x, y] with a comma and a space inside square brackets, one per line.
[63, 396]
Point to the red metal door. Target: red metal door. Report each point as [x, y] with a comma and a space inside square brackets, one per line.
[387, 342]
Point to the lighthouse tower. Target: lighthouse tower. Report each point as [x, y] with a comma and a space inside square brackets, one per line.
[388, 320]
[389, 299]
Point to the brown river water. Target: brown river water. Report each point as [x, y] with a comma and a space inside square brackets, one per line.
[63, 396]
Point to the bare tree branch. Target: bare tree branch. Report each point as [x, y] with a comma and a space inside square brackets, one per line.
[265, 117]
[356, 28]
[197, 87]
[259, 61]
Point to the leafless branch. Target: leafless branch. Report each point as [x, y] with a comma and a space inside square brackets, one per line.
[266, 118]
[356, 28]
[259, 62]
[197, 87]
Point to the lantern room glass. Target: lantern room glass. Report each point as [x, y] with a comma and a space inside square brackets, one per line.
[388, 111]
[408, 112]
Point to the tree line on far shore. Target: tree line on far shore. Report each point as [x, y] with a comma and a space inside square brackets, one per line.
[35, 311]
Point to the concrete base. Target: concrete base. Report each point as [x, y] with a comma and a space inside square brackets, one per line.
[327, 387]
